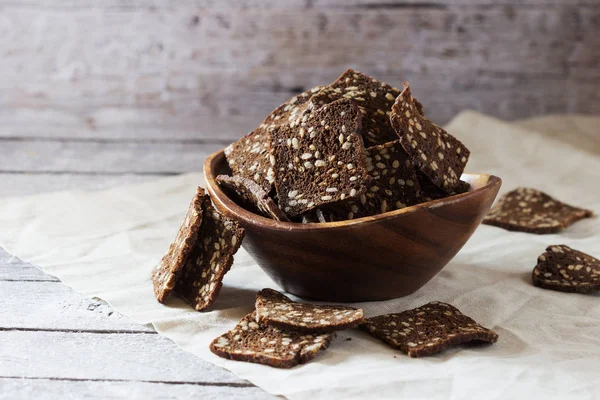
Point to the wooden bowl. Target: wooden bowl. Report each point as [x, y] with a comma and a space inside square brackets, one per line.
[366, 259]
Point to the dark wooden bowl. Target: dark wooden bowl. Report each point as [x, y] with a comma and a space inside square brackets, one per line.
[366, 259]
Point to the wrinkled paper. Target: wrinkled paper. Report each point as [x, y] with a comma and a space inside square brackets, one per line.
[104, 244]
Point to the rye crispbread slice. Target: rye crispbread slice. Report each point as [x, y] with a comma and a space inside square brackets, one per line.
[533, 211]
[427, 329]
[219, 238]
[320, 159]
[250, 194]
[164, 274]
[567, 270]
[249, 156]
[257, 343]
[393, 185]
[374, 99]
[434, 151]
[277, 310]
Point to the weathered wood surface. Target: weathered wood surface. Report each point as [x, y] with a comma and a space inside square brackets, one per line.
[55, 307]
[26, 182]
[42, 388]
[187, 69]
[53, 339]
[109, 157]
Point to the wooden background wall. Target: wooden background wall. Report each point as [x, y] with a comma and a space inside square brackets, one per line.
[158, 84]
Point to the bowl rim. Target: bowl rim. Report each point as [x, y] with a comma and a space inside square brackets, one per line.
[251, 218]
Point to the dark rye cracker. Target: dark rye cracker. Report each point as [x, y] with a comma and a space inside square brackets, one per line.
[533, 211]
[164, 275]
[393, 185]
[249, 157]
[374, 99]
[276, 309]
[250, 194]
[218, 240]
[427, 329]
[320, 159]
[253, 342]
[567, 270]
[434, 151]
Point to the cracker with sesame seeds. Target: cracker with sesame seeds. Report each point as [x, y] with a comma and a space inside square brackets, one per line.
[249, 156]
[564, 269]
[393, 184]
[258, 343]
[434, 151]
[374, 99]
[219, 238]
[276, 309]
[320, 160]
[250, 194]
[533, 211]
[427, 330]
[164, 274]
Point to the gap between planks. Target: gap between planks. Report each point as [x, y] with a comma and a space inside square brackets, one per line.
[92, 331]
[227, 384]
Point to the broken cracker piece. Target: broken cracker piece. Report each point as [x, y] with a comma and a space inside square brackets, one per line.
[427, 329]
[533, 211]
[257, 343]
[249, 193]
[564, 269]
[164, 274]
[276, 309]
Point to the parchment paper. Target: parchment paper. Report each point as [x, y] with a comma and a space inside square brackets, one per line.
[104, 244]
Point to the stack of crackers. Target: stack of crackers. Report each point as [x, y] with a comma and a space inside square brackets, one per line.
[355, 148]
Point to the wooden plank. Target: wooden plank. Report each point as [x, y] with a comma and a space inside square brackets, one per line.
[27, 183]
[55, 307]
[176, 68]
[13, 269]
[18, 388]
[93, 157]
[90, 356]
[296, 4]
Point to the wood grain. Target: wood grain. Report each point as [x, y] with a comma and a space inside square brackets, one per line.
[93, 157]
[13, 269]
[28, 183]
[154, 69]
[48, 306]
[13, 388]
[91, 356]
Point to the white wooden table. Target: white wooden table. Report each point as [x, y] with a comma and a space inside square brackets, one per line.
[57, 343]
